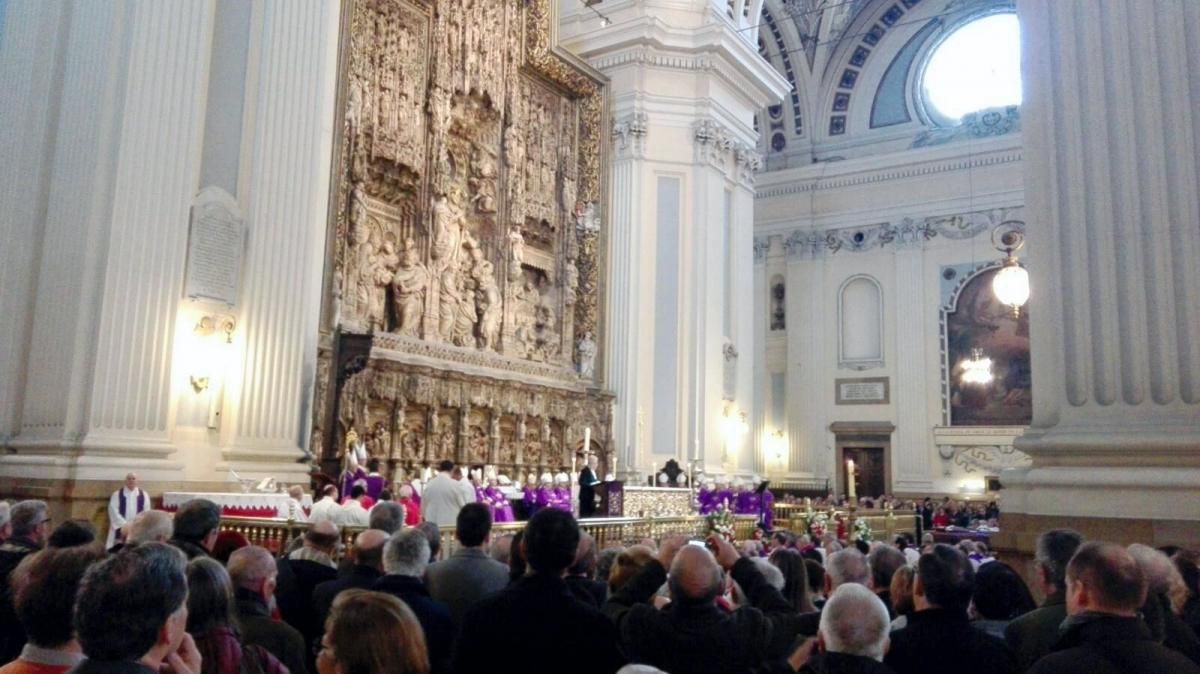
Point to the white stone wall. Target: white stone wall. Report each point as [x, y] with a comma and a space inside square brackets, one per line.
[890, 196]
[108, 105]
[685, 84]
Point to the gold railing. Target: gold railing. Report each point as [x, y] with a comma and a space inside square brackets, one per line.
[885, 524]
[275, 534]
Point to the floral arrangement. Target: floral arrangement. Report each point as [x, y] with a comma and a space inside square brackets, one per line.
[818, 524]
[720, 522]
[862, 529]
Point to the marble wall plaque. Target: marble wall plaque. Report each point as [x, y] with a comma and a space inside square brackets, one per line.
[216, 243]
[862, 391]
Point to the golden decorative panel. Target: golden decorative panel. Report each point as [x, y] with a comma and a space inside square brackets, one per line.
[465, 231]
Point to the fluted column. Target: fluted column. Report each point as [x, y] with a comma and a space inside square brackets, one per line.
[155, 174]
[912, 447]
[33, 38]
[624, 276]
[286, 194]
[1112, 116]
[804, 408]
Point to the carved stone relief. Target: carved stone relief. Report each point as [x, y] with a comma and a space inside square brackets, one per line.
[466, 229]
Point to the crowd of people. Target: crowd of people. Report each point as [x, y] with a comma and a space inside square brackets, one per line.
[179, 595]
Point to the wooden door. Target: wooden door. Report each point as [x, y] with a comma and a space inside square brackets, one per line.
[869, 469]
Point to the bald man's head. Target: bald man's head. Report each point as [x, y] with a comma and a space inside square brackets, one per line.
[368, 548]
[322, 536]
[695, 576]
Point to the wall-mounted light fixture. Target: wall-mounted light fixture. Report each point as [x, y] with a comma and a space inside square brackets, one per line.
[733, 428]
[1011, 283]
[214, 337]
[777, 446]
[209, 359]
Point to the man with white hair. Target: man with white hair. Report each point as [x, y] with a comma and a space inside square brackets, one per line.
[853, 635]
[844, 567]
[152, 526]
[405, 557]
[125, 504]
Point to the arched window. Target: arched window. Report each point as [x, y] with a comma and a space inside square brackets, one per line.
[974, 67]
[860, 324]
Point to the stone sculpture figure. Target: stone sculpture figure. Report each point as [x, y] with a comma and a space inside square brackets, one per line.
[487, 299]
[466, 316]
[409, 284]
[587, 356]
[447, 229]
[449, 298]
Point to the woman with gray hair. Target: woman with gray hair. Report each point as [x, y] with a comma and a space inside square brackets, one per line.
[1165, 595]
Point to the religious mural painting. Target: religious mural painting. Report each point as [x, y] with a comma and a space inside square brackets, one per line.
[979, 321]
[465, 268]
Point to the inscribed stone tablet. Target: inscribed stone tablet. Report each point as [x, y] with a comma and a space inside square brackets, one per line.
[862, 391]
[216, 242]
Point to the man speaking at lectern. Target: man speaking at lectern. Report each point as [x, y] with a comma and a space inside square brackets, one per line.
[587, 493]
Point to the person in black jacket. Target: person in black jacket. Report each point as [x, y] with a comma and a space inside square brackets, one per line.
[405, 557]
[299, 574]
[587, 487]
[538, 614]
[30, 522]
[938, 637]
[196, 526]
[692, 633]
[255, 575]
[852, 638]
[1103, 633]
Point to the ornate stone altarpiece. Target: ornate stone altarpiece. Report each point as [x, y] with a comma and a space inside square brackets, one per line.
[465, 261]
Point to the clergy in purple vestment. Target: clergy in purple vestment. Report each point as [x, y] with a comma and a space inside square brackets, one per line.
[501, 508]
[562, 493]
[767, 503]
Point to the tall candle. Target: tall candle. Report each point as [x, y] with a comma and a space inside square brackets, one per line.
[587, 440]
[852, 491]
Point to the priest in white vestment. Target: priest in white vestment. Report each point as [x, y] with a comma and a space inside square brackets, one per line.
[124, 505]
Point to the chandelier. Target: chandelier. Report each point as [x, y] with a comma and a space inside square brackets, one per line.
[1011, 283]
[977, 369]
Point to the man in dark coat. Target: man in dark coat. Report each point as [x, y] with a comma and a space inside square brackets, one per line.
[692, 633]
[131, 614]
[938, 638]
[538, 614]
[1032, 635]
[852, 638]
[255, 575]
[587, 487]
[581, 576]
[300, 573]
[405, 558]
[1103, 633]
[361, 574]
[30, 522]
[197, 524]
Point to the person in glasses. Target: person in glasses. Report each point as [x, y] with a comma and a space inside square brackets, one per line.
[30, 521]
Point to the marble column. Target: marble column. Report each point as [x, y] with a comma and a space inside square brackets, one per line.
[628, 155]
[285, 191]
[127, 115]
[684, 85]
[911, 446]
[805, 405]
[1112, 117]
